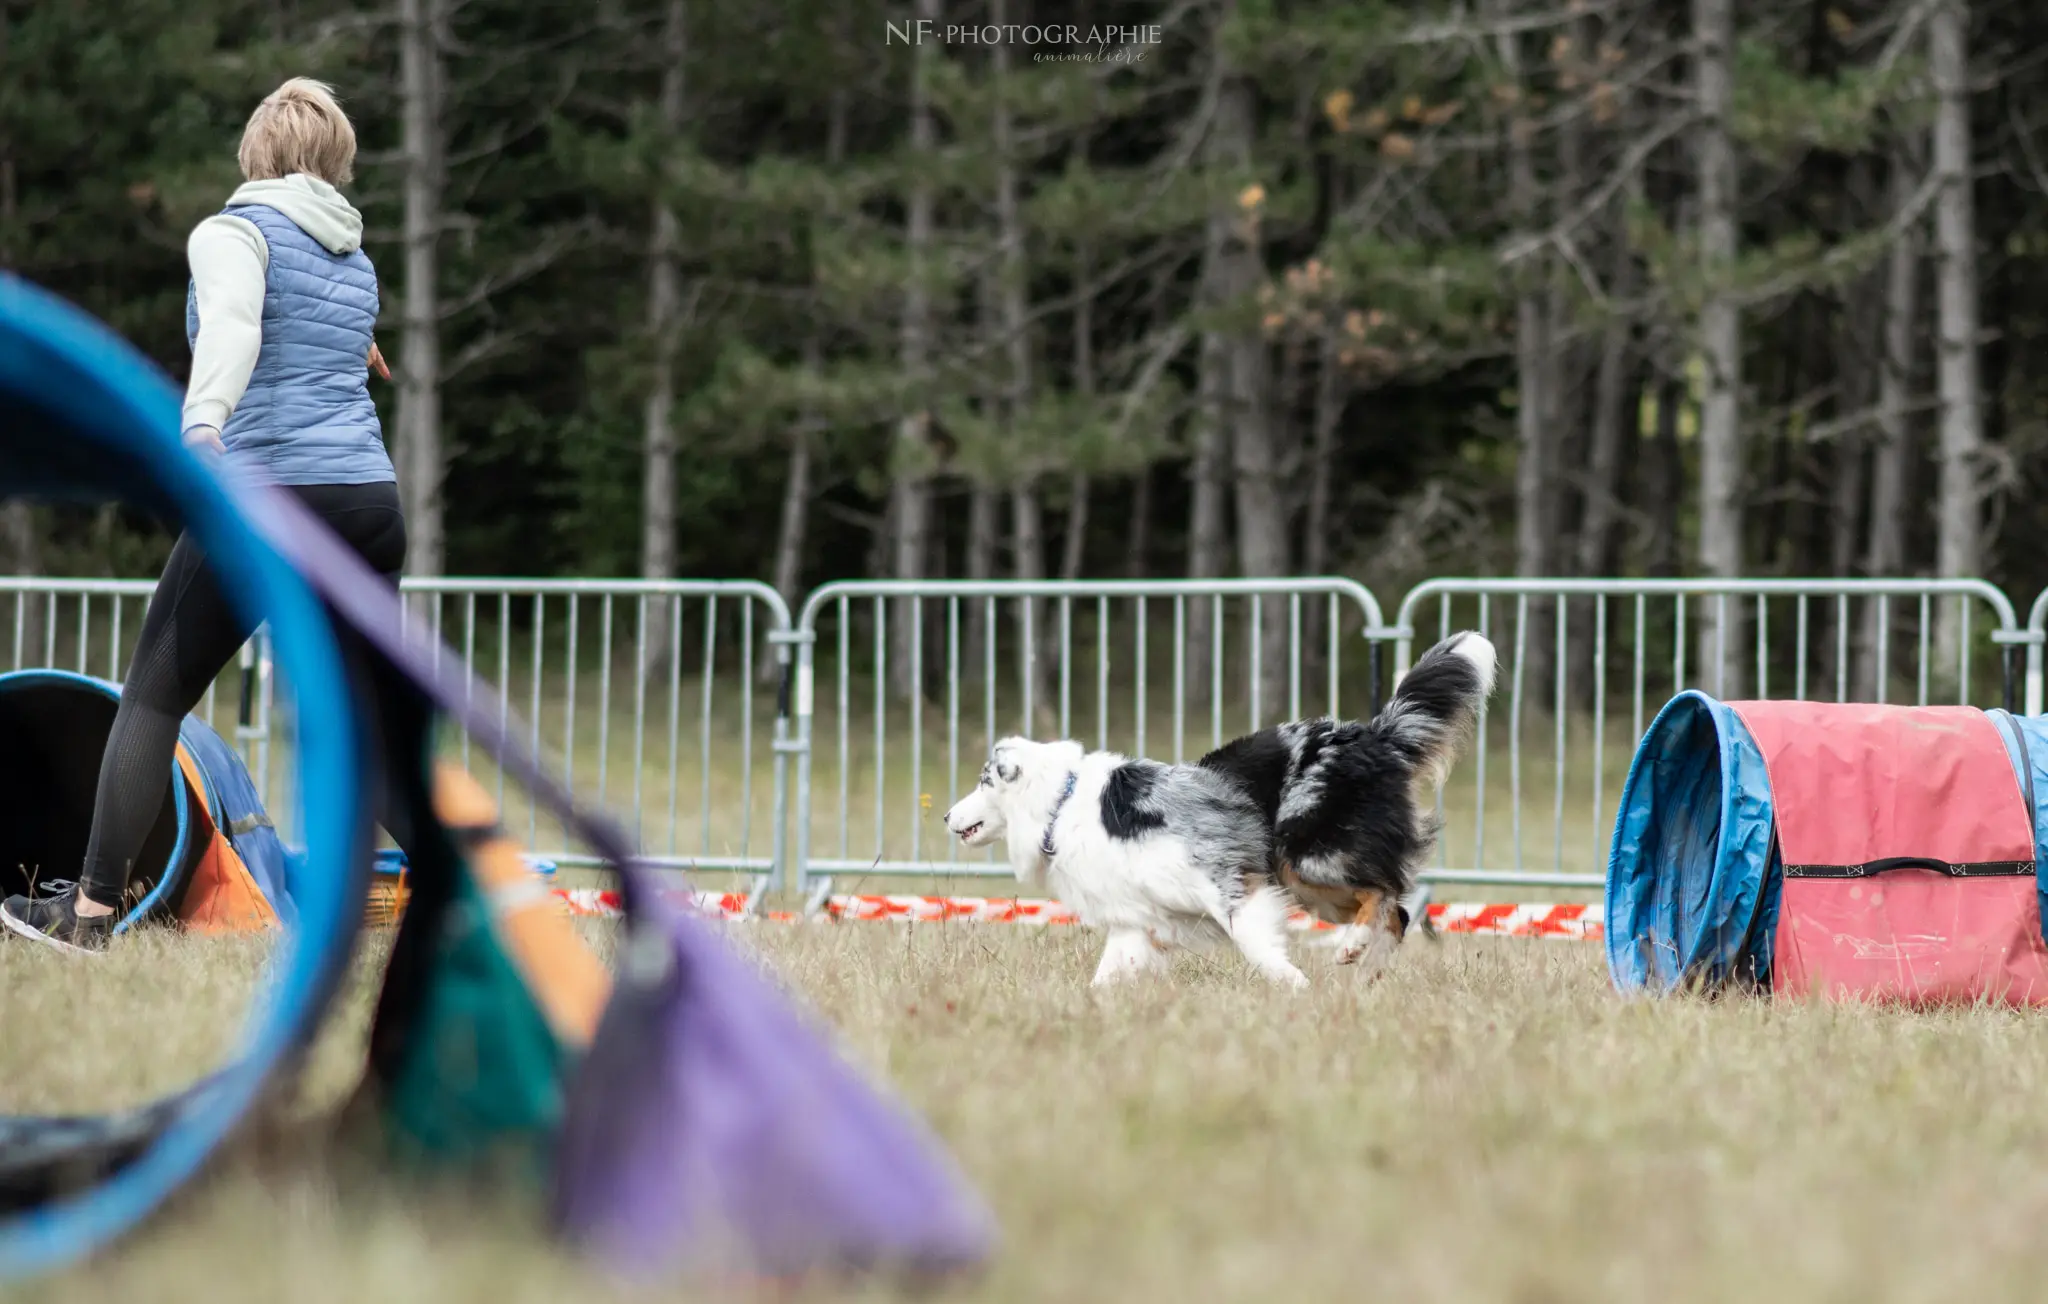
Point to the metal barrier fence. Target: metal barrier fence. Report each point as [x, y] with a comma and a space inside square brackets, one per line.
[2036, 633]
[680, 705]
[1581, 636]
[649, 695]
[90, 626]
[1054, 658]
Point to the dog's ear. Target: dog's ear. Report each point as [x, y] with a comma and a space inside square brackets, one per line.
[1002, 764]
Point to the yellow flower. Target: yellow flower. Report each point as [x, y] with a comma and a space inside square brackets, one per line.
[924, 802]
[1251, 197]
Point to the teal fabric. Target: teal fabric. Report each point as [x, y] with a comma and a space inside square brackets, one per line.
[482, 1074]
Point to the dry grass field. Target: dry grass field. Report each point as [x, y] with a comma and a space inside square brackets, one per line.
[1489, 1122]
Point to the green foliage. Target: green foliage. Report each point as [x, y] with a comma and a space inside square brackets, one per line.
[1779, 111]
[1379, 194]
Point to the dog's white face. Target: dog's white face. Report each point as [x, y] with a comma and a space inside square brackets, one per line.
[977, 819]
[980, 818]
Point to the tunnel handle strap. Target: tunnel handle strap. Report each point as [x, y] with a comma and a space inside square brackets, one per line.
[1954, 869]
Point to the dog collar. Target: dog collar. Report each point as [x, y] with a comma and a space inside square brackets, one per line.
[1045, 843]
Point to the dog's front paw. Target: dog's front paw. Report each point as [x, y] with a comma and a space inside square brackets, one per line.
[1373, 948]
[1291, 978]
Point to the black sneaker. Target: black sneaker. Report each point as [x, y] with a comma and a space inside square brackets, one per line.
[53, 920]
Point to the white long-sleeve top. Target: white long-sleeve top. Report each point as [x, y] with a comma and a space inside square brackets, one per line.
[230, 261]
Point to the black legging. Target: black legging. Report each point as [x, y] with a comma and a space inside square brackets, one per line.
[188, 637]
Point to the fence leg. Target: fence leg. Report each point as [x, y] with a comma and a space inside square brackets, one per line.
[797, 686]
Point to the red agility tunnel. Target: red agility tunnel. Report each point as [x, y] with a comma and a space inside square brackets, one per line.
[1846, 851]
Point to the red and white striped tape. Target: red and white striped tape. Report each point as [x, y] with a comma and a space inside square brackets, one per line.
[1578, 920]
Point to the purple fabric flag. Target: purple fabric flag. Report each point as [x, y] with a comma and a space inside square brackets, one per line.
[710, 1125]
[708, 1122]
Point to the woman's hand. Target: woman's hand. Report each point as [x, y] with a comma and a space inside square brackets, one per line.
[204, 439]
[377, 361]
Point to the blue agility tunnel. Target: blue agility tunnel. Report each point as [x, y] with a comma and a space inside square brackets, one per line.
[1833, 849]
[1690, 883]
[212, 841]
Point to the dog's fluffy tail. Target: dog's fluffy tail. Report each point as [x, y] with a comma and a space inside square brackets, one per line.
[1435, 705]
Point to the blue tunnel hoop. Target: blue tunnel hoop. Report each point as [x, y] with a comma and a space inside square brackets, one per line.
[80, 381]
[180, 800]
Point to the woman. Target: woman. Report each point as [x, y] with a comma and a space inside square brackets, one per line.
[279, 317]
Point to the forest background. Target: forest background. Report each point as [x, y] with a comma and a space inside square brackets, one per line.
[1100, 288]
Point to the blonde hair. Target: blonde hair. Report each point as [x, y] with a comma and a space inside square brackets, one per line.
[299, 127]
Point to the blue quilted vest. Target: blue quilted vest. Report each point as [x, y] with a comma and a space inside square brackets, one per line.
[307, 416]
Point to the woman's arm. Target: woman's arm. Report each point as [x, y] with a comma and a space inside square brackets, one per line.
[228, 257]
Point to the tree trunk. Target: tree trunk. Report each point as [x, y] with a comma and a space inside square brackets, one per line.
[1027, 558]
[1721, 444]
[983, 528]
[1958, 536]
[1859, 344]
[794, 524]
[1027, 519]
[796, 498]
[1073, 553]
[1262, 551]
[910, 486]
[1859, 360]
[1537, 515]
[1208, 528]
[1289, 441]
[1892, 458]
[1333, 388]
[1614, 417]
[1571, 364]
[419, 372]
[1075, 545]
[1138, 555]
[1664, 480]
[1208, 539]
[1613, 414]
[1208, 531]
[664, 303]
